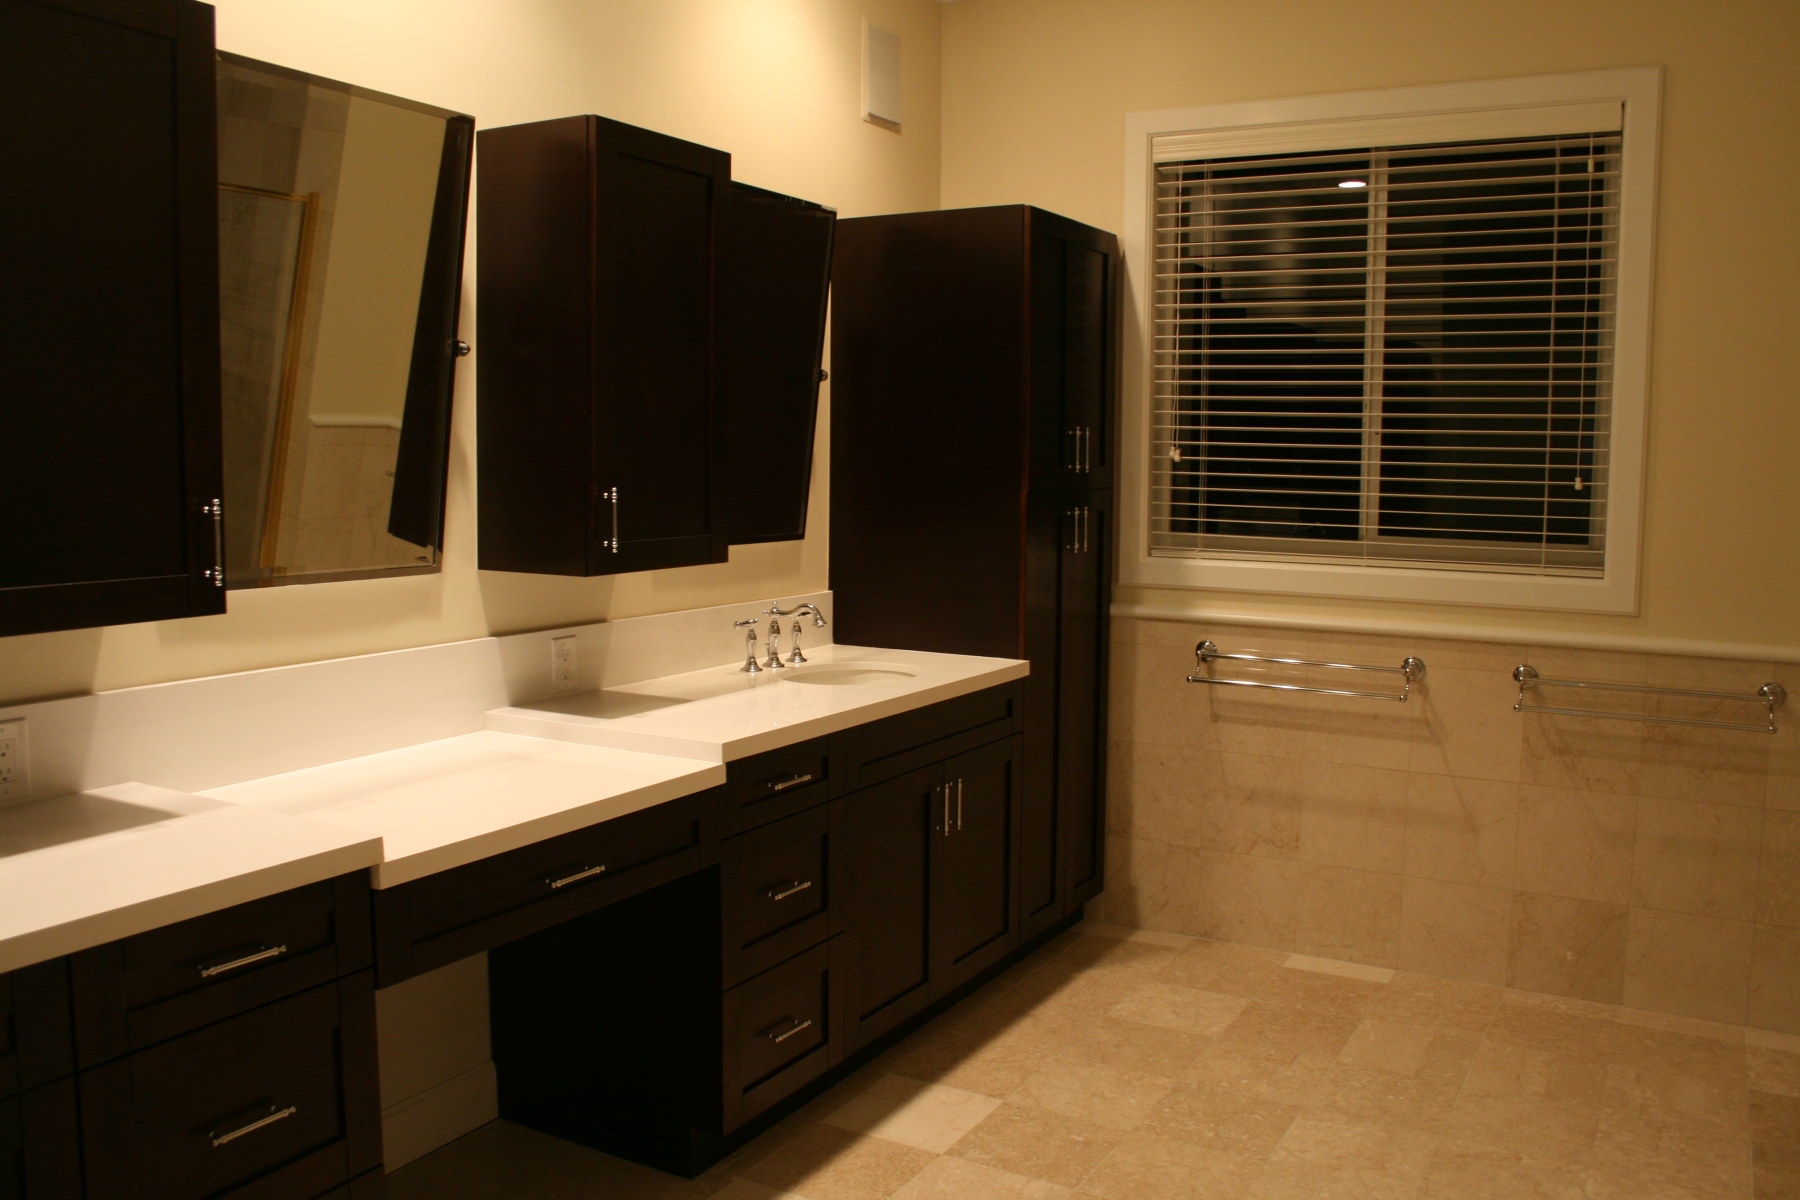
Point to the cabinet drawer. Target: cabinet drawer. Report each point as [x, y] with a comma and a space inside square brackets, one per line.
[140, 990]
[780, 1032]
[279, 1101]
[887, 748]
[776, 887]
[40, 1150]
[433, 921]
[775, 784]
[34, 1026]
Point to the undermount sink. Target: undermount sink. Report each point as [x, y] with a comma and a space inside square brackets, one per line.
[847, 673]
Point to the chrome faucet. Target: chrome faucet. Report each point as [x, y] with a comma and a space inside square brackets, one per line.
[775, 610]
[750, 664]
[795, 658]
[774, 663]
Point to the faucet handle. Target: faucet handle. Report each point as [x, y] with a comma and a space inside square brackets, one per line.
[751, 666]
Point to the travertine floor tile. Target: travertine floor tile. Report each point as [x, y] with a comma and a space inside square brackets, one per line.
[1036, 1141]
[826, 1163]
[1091, 1092]
[498, 1160]
[949, 1178]
[928, 1116]
[1187, 1009]
[1117, 1067]
[1143, 1167]
[1222, 1118]
[1222, 967]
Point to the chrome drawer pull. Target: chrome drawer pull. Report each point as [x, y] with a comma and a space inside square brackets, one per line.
[220, 968]
[577, 877]
[275, 1114]
[782, 785]
[799, 885]
[959, 790]
[796, 1027]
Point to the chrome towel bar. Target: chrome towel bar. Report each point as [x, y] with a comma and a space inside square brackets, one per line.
[1411, 669]
[1771, 696]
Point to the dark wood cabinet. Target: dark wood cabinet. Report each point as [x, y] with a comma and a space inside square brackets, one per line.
[230, 1056]
[599, 429]
[929, 901]
[109, 232]
[279, 1101]
[40, 1144]
[430, 922]
[973, 417]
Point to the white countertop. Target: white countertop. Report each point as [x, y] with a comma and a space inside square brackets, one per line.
[451, 802]
[80, 870]
[77, 871]
[721, 713]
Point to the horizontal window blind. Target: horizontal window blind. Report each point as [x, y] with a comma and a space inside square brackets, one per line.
[1387, 355]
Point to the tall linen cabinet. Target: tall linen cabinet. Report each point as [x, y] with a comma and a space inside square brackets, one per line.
[974, 393]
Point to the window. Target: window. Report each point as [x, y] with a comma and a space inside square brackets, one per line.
[1385, 351]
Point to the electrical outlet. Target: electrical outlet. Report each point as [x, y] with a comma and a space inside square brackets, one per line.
[562, 663]
[15, 761]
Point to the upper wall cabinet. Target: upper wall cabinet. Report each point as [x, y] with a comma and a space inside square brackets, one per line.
[598, 429]
[108, 225]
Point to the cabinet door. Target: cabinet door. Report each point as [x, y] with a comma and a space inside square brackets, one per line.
[40, 1150]
[1084, 594]
[974, 906]
[890, 832]
[108, 229]
[599, 431]
[1073, 368]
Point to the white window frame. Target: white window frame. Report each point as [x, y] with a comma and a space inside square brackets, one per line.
[1250, 124]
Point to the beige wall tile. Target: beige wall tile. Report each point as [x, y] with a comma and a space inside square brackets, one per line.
[1778, 878]
[1255, 808]
[1719, 766]
[1575, 843]
[1245, 898]
[1690, 965]
[1455, 930]
[1353, 816]
[1345, 913]
[1461, 830]
[1783, 790]
[1248, 721]
[1467, 726]
[1696, 858]
[1567, 947]
[1151, 699]
[1158, 793]
[1582, 752]
[1360, 732]
[1775, 979]
[1150, 885]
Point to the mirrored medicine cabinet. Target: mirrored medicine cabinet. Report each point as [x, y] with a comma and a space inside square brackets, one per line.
[341, 223]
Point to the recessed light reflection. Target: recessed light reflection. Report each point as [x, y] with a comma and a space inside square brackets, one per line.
[1354, 183]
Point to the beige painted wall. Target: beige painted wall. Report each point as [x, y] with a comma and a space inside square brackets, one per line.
[775, 82]
[1035, 94]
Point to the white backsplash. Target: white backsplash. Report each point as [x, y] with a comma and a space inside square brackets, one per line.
[204, 733]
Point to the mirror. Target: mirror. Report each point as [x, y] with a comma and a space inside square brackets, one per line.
[341, 221]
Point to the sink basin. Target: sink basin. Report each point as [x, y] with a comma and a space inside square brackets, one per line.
[839, 674]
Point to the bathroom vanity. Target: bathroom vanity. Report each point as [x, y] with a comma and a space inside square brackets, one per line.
[702, 896]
